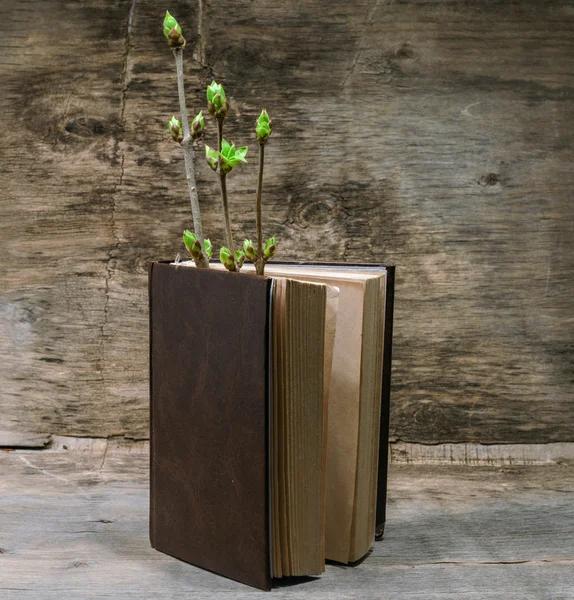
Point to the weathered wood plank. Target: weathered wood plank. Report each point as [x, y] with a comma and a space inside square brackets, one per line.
[482, 454]
[11, 439]
[481, 533]
[60, 76]
[479, 455]
[431, 135]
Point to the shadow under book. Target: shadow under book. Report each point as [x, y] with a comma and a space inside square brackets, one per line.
[269, 415]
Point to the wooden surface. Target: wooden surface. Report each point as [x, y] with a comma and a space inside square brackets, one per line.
[482, 454]
[73, 524]
[432, 135]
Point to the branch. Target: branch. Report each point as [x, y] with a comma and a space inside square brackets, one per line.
[189, 158]
[223, 186]
[260, 262]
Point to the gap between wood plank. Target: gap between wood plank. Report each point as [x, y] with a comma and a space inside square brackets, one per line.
[400, 452]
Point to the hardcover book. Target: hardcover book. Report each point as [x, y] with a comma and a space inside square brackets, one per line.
[269, 415]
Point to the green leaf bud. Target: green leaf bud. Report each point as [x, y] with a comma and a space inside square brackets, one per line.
[249, 250]
[269, 250]
[231, 156]
[214, 89]
[197, 126]
[189, 239]
[176, 130]
[263, 127]
[212, 157]
[192, 244]
[226, 259]
[239, 258]
[172, 32]
[217, 103]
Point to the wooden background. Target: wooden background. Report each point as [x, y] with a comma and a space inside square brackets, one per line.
[436, 136]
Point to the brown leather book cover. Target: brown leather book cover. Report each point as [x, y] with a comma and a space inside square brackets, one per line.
[209, 411]
[209, 352]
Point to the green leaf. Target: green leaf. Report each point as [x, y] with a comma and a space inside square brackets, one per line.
[241, 153]
[221, 91]
[225, 148]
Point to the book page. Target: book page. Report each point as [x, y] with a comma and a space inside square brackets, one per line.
[344, 403]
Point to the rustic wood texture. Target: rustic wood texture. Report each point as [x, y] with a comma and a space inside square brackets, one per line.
[432, 135]
[478, 533]
[482, 454]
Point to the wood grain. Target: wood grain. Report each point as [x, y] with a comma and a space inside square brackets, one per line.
[482, 454]
[432, 135]
[478, 533]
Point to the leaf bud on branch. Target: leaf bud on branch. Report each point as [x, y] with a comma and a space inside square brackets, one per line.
[172, 32]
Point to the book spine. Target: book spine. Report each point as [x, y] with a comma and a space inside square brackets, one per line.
[151, 436]
[385, 405]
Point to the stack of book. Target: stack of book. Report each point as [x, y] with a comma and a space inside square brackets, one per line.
[269, 415]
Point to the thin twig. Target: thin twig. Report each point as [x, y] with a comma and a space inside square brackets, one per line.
[223, 185]
[189, 157]
[259, 262]
[228, 234]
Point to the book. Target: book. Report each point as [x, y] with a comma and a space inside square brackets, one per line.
[269, 415]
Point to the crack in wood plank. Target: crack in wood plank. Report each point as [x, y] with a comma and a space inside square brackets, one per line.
[464, 454]
[104, 456]
[125, 79]
[471, 563]
[368, 18]
[199, 52]
[60, 478]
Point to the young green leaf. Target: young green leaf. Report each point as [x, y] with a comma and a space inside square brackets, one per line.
[225, 147]
[230, 156]
[241, 153]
